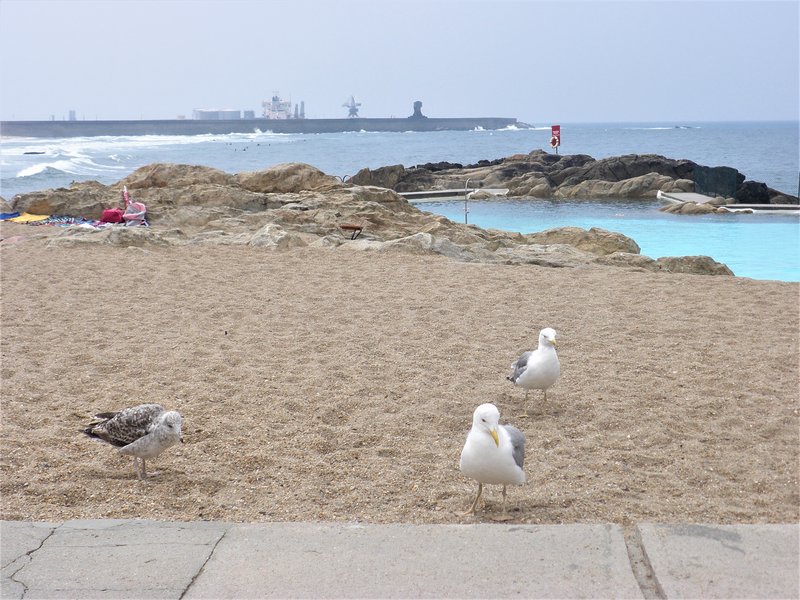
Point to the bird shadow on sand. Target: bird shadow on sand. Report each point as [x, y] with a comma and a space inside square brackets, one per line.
[161, 475]
[525, 511]
[493, 513]
[534, 411]
[535, 407]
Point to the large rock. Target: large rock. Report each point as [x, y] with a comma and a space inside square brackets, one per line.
[641, 186]
[752, 192]
[87, 200]
[698, 265]
[418, 243]
[595, 240]
[125, 237]
[275, 237]
[167, 175]
[287, 177]
[627, 259]
[689, 208]
[545, 255]
[387, 177]
[620, 168]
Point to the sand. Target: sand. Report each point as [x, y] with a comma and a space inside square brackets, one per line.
[329, 385]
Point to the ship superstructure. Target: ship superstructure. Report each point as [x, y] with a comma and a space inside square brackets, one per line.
[277, 108]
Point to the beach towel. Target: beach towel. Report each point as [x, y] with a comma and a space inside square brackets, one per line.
[66, 221]
[8, 216]
[29, 218]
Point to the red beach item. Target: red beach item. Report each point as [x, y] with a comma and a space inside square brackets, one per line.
[112, 215]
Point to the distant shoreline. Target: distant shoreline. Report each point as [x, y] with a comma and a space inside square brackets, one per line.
[62, 129]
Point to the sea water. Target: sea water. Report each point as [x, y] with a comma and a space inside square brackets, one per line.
[766, 152]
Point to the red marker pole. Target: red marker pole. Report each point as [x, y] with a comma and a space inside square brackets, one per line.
[555, 137]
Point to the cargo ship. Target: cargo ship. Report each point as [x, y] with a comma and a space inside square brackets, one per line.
[277, 117]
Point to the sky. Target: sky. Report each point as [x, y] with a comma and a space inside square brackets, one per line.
[538, 61]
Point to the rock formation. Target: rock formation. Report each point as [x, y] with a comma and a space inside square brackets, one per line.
[540, 174]
[295, 204]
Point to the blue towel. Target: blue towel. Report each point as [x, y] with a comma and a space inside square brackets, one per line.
[6, 216]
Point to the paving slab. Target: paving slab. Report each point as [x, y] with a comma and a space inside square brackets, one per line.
[304, 560]
[154, 559]
[17, 541]
[724, 561]
[118, 559]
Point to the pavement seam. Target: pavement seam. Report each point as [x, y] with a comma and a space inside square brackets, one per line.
[29, 556]
[642, 569]
[205, 562]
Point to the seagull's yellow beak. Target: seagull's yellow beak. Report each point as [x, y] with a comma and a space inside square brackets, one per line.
[493, 433]
[554, 343]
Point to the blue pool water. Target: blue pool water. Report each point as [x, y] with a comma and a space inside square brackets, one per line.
[752, 245]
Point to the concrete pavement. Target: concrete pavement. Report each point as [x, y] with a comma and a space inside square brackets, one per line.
[153, 559]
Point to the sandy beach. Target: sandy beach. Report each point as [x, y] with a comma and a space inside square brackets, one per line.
[331, 385]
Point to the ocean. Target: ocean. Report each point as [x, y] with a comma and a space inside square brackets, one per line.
[766, 247]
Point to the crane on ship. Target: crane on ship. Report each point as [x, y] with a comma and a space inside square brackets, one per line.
[352, 107]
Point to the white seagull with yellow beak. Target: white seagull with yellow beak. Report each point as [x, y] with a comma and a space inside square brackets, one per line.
[493, 454]
[538, 369]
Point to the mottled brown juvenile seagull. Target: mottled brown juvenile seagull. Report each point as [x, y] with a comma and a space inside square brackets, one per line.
[143, 431]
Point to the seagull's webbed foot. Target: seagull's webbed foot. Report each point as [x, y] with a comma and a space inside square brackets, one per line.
[141, 469]
[471, 510]
[504, 516]
[136, 466]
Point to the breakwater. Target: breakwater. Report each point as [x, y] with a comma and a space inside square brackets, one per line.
[62, 129]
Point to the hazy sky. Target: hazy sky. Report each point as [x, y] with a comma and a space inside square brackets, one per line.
[539, 61]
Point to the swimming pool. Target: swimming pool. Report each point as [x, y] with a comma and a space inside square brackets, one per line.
[760, 246]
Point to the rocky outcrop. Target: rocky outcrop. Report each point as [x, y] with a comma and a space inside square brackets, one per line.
[286, 178]
[87, 200]
[695, 208]
[753, 192]
[595, 240]
[641, 186]
[168, 175]
[295, 205]
[702, 265]
[386, 177]
[540, 174]
[698, 265]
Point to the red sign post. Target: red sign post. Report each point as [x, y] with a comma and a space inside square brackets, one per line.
[555, 137]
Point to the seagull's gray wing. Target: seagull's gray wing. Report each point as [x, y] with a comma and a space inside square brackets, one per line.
[126, 426]
[517, 444]
[519, 367]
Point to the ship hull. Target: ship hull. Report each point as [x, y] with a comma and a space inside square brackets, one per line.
[60, 129]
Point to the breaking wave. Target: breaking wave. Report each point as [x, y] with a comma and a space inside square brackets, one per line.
[71, 166]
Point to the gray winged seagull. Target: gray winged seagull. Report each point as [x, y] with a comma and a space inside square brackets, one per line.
[143, 431]
[493, 453]
[538, 369]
